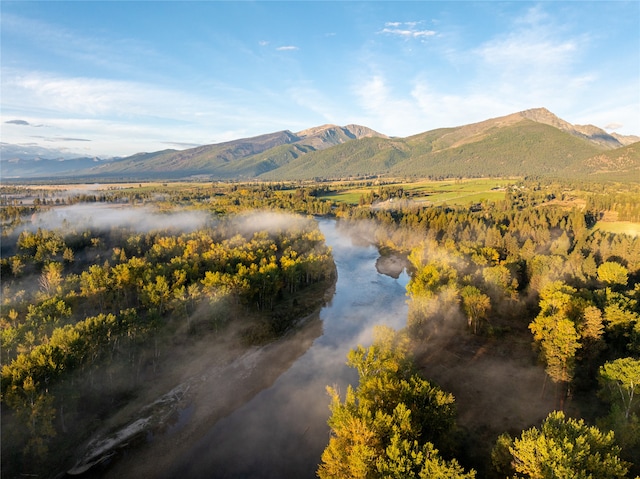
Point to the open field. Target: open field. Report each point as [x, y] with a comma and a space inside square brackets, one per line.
[454, 192]
[619, 227]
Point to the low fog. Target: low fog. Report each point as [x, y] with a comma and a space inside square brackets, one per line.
[270, 221]
[143, 219]
[105, 216]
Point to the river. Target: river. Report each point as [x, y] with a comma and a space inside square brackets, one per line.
[282, 431]
[280, 428]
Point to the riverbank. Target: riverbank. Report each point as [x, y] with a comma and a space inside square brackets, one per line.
[208, 381]
[223, 382]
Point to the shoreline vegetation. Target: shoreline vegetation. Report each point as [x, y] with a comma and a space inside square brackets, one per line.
[224, 381]
[100, 311]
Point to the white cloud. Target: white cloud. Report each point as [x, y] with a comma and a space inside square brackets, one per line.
[539, 64]
[123, 117]
[453, 109]
[520, 51]
[405, 30]
[536, 56]
[389, 114]
[315, 101]
[92, 97]
[619, 112]
[408, 33]
[287, 48]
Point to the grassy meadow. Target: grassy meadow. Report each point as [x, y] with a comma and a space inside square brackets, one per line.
[453, 192]
[619, 227]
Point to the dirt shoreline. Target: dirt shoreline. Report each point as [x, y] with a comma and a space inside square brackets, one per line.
[216, 380]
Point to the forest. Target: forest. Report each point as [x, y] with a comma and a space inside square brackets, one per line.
[92, 308]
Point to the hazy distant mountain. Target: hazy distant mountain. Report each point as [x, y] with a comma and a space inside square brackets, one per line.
[30, 152]
[531, 142]
[19, 161]
[626, 139]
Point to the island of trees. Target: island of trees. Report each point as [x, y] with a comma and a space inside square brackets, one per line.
[85, 307]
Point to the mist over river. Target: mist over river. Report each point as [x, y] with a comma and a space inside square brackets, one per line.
[282, 430]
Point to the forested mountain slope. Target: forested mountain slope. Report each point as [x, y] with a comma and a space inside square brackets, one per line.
[524, 148]
[517, 148]
[618, 163]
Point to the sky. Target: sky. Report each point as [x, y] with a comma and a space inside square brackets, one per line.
[113, 78]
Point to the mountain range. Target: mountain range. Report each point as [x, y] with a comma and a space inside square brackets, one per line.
[531, 142]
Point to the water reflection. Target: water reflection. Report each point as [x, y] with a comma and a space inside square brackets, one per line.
[283, 430]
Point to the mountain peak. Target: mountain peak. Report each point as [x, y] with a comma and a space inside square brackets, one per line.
[360, 131]
[316, 130]
[542, 115]
[352, 130]
[589, 132]
[324, 136]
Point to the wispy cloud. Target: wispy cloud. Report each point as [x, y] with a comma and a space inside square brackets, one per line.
[535, 62]
[22, 123]
[401, 113]
[82, 95]
[406, 30]
[388, 111]
[287, 48]
[316, 101]
[445, 109]
[119, 54]
[180, 144]
[59, 139]
[140, 116]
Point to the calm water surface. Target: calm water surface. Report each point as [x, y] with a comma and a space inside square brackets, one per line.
[283, 430]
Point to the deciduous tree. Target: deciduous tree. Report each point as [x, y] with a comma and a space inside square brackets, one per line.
[622, 378]
[562, 448]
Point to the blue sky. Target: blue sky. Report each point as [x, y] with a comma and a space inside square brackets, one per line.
[116, 78]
